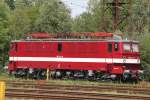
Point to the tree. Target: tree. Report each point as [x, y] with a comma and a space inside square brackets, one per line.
[145, 53]
[83, 23]
[11, 4]
[22, 21]
[4, 30]
[95, 9]
[92, 20]
[139, 20]
[53, 17]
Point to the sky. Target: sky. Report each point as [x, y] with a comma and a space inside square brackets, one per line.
[77, 6]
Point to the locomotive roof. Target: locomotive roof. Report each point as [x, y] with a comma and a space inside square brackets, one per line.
[73, 40]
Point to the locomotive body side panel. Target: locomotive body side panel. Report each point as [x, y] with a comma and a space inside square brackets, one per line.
[104, 56]
[73, 55]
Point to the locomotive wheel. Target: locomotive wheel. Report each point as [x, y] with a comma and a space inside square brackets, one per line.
[21, 73]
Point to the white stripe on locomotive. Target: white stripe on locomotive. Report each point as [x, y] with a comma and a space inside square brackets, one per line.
[90, 60]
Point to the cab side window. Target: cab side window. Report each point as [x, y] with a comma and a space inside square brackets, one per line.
[59, 48]
[116, 46]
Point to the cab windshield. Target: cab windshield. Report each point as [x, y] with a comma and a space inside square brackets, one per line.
[135, 48]
[126, 47]
[130, 48]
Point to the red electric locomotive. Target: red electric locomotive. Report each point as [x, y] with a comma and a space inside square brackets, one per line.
[92, 55]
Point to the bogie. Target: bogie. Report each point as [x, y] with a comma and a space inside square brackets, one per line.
[41, 74]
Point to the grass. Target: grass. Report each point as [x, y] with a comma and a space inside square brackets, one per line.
[5, 76]
[94, 83]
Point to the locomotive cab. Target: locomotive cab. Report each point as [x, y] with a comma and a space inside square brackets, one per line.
[131, 59]
[125, 60]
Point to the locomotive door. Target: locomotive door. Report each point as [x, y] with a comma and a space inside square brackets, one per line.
[59, 49]
[59, 54]
[113, 50]
[109, 58]
[110, 51]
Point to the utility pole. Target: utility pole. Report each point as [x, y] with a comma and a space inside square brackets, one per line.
[116, 5]
[119, 10]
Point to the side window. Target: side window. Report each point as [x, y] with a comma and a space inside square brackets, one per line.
[109, 47]
[59, 48]
[116, 46]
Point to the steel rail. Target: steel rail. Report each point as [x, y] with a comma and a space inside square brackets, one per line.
[47, 84]
[12, 92]
[130, 90]
[52, 97]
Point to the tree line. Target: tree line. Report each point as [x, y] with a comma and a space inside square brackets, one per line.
[18, 17]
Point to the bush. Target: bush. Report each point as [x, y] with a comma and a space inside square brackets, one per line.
[145, 54]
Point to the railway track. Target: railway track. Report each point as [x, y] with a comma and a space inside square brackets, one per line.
[50, 91]
[117, 89]
[55, 94]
